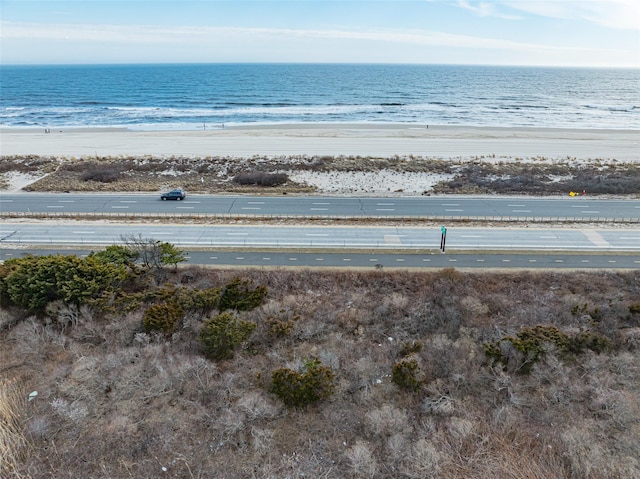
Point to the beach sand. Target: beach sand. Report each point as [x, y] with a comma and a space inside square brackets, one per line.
[374, 140]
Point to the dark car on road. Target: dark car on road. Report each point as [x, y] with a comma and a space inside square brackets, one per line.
[173, 195]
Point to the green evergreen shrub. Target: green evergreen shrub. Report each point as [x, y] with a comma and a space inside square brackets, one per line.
[296, 389]
[33, 281]
[240, 295]
[531, 344]
[410, 347]
[162, 317]
[407, 374]
[281, 326]
[222, 334]
[201, 301]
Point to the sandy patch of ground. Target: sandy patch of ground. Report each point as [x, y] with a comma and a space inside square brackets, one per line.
[371, 182]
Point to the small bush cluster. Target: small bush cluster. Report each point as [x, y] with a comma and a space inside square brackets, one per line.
[106, 173]
[530, 344]
[281, 326]
[297, 389]
[240, 295]
[222, 334]
[261, 179]
[407, 374]
[162, 317]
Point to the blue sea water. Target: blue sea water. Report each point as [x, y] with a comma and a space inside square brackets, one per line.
[189, 97]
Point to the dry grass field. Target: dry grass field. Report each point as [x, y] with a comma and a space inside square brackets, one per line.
[114, 401]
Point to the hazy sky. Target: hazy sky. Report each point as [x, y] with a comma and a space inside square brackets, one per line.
[498, 32]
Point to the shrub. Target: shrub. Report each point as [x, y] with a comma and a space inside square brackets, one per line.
[102, 173]
[33, 281]
[222, 334]
[634, 308]
[261, 179]
[162, 317]
[201, 301]
[239, 295]
[281, 326]
[530, 345]
[410, 347]
[407, 374]
[300, 389]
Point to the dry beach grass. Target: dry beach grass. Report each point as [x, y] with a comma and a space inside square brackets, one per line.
[116, 401]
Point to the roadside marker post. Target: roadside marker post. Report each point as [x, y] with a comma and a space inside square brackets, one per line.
[443, 238]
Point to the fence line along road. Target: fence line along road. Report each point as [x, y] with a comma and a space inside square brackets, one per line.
[227, 216]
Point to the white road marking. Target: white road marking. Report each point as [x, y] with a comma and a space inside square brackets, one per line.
[318, 209]
[293, 259]
[517, 206]
[521, 211]
[590, 211]
[596, 238]
[255, 202]
[266, 259]
[185, 207]
[533, 261]
[54, 206]
[239, 257]
[83, 232]
[426, 260]
[317, 234]
[454, 210]
[400, 260]
[238, 234]
[250, 208]
[121, 207]
[385, 209]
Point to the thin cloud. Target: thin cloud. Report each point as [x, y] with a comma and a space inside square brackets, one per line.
[486, 9]
[149, 35]
[617, 14]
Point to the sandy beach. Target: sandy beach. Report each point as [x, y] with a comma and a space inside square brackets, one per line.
[379, 140]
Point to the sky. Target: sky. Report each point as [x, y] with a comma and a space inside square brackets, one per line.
[575, 33]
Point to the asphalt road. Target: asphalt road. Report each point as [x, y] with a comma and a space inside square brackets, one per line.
[298, 259]
[579, 208]
[324, 237]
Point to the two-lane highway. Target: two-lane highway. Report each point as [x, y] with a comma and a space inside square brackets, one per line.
[583, 208]
[325, 237]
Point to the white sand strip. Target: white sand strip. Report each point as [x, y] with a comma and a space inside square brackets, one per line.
[348, 140]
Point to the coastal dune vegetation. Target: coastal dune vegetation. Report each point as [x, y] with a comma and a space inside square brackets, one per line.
[303, 174]
[126, 364]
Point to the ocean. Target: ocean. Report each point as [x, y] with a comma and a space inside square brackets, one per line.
[205, 96]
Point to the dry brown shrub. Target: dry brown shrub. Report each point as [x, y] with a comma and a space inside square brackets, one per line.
[13, 443]
[362, 460]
